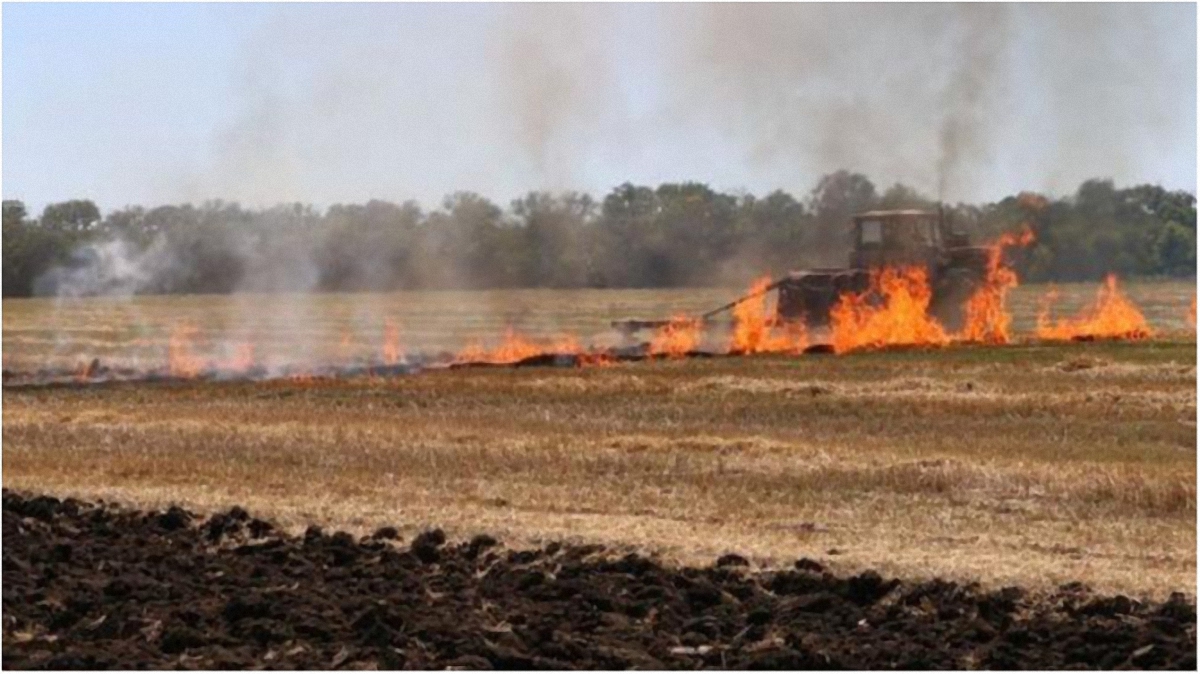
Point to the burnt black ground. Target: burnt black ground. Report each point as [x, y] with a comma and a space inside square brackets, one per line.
[98, 586]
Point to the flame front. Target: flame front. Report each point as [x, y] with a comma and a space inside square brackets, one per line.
[516, 347]
[392, 352]
[182, 360]
[243, 357]
[987, 317]
[892, 311]
[676, 338]
[1112, 315]
[753, 331]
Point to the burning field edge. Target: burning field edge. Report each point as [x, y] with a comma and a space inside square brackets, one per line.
[97, 585]
[96, 372]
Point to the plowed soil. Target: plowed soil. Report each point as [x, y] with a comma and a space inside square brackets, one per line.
[99, 586]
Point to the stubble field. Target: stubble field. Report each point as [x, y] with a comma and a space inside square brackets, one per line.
[1032, 464]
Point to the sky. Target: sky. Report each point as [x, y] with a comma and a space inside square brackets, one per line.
[341, 103]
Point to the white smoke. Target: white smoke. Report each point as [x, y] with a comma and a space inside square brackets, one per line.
[115, 267]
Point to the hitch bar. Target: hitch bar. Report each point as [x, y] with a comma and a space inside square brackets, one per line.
[633, 325]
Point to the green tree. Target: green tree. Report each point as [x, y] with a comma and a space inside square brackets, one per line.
[629, 244]
[549, 245]
[76, 217]
[836, 198]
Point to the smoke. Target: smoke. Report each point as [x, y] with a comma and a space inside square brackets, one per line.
[115, 267]
[1118, 90]
[552, 66]
[901, 92]
[975, 82]
[967, 102]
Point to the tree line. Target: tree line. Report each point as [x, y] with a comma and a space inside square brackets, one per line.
[677, 234]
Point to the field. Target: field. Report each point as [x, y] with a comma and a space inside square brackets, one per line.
[90, 586]
[1033, 464]
[338, 328]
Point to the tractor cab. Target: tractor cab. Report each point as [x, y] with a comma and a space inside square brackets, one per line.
[899, 238]
[896, 238]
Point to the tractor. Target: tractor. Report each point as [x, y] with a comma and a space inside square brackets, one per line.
[895, 238]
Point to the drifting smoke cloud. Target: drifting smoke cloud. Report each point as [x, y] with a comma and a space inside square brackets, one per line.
[901, 92]
[945, 97]
[553, 67]
[975, 82]
[964, 101]
[114, 267]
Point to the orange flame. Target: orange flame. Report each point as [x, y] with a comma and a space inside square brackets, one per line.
[595, 359]
[753, 331]
[515, 348]
[243, 357]
[1191, 315]
[987, 318]
[181, 360]
[677, 338]
[392, 353]
[1112, 315]
[857, 321]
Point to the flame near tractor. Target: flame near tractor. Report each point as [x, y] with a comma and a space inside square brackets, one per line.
[1112, 315]
[912, 282]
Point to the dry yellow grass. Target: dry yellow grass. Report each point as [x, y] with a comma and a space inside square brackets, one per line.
[1030, 465]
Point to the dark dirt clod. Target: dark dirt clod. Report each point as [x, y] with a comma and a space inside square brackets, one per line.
[478, 544]
[258, 528]
[175, 518]
[806, 564]
[426, 546]
[96, 586]
[386, 534]
[732, 559]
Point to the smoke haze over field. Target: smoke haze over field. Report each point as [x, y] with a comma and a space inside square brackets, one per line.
[343, 103]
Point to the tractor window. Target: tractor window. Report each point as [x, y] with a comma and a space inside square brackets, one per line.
[871, 232]
[908, 234]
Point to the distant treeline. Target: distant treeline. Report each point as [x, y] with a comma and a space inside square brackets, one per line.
[636, 236]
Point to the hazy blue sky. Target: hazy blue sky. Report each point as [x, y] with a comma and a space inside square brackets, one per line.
[325, 103]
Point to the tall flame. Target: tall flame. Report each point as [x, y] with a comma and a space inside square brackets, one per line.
[392, 352]
[1112, 315]
[243, 357]
[858, 321]
[987, 317]
[753, 331]
[1191, 315]
[182, 361]
[677, 338]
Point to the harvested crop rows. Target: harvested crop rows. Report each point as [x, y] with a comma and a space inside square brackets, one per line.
[961, 463]
[93, 586]
[1066, 469]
